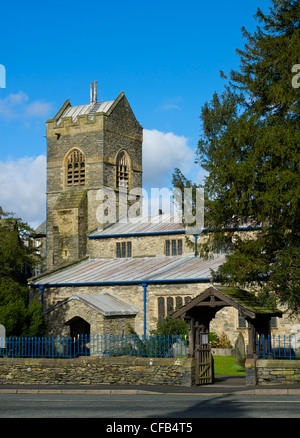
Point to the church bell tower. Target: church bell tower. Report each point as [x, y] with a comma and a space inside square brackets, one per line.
[89, 147]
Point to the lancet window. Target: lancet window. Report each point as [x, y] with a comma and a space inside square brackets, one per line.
[122, 171]
[76, 169]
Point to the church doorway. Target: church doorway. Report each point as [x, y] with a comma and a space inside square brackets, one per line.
[80, 331]
[79, 327]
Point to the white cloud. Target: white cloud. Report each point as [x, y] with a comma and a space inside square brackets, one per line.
[38, 109]
[200, 176]
[162, 152]
[16, 106]
[23, 181]
[169, 106]
[10, 105]
[23, 187]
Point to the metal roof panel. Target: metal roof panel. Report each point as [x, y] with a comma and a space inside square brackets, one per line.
[161, 223]
[90, 109]
[104, 303]
[146, 269]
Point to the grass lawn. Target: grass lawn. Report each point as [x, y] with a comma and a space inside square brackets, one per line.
[226, 365]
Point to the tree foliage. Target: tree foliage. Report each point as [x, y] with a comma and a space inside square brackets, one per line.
[171, 327]
[250, 150]
[17, 257]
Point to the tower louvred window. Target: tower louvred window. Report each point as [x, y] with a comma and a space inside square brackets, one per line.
[76, 169]
[122, 170]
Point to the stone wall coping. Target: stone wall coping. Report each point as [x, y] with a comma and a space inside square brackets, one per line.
[122, 360]
[277, 363]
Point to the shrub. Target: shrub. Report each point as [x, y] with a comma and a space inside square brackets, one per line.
[221, 341]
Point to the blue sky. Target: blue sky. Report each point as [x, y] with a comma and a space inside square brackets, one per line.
[165, 55]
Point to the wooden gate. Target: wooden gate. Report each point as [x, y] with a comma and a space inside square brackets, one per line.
[204, 372]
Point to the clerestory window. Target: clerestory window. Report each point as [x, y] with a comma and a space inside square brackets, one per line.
[76, 169]
[173, 247]
[123, 249]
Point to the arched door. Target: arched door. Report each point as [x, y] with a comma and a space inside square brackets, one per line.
[80, 335]
[79, 327]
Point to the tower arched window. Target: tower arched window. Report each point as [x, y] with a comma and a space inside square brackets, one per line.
[76, 169]
[122, 170]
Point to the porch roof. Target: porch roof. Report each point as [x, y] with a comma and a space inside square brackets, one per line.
[221, 296]
[104, 303]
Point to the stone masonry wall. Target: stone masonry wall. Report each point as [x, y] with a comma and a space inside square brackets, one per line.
[142, 246]
[97, 370]
[133, 294]
[277, 372]
[59, 320]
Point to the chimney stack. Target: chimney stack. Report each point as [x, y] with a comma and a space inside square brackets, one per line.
[93, 92]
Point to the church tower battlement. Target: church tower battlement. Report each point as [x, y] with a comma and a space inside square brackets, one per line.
[89, 147]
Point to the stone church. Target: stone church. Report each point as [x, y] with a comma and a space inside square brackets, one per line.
[101, 277]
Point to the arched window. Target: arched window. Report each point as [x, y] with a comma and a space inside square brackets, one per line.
[76, 169]
[122, 170]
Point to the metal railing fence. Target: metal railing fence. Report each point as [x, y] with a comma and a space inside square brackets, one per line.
[101, 345]
[277, 347]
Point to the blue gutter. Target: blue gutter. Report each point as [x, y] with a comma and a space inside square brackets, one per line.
[160, 233]
[120, 283]
[106, 236]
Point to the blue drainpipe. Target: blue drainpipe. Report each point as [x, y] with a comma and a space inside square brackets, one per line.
[196, 249]
[145, 308]
[41, 288]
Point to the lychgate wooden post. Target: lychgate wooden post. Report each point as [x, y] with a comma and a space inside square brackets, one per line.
[191, 349]
[251, 348]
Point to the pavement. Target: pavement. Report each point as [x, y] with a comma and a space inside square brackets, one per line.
[223, 385]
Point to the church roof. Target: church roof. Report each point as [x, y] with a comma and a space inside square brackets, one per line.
[41, 229]
[94, 107]
[104, 303]
[90, 109]
[162, 223]
[164, 269]
[159, 224]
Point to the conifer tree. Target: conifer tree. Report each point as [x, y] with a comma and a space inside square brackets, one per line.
[250, 148]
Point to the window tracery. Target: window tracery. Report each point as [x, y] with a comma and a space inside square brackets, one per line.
[76, 169]
[122, 170]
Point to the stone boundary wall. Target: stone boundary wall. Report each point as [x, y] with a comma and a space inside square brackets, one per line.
[277, 372]
[263, 372]
[97, 370]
